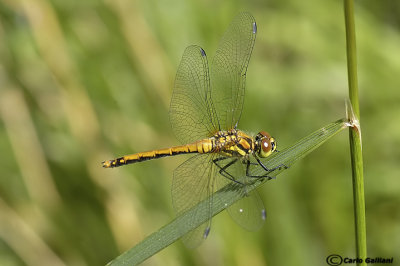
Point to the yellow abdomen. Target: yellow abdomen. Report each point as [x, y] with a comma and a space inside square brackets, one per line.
[202, 146]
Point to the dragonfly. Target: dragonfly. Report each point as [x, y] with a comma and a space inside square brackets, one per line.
[205, 110]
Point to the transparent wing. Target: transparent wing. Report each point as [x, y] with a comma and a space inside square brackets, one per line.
[191, 112]
[192, 183]
[228, 69]
[249, 212]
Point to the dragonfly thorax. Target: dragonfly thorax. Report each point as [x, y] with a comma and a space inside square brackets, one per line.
[233, 143]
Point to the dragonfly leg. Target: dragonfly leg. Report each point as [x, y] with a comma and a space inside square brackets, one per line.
[271, 169]
[264, 167]
[222, 169]
[248, 163]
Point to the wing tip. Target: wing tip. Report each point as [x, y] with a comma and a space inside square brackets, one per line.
[203, 53]
[254, 27]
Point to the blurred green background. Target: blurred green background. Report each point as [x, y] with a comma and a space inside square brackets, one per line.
[86, 81]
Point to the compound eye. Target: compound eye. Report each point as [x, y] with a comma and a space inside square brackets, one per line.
[264, 134]
[266, 145]
[266, 148]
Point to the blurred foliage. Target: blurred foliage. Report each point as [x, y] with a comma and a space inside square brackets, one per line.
[85, 81]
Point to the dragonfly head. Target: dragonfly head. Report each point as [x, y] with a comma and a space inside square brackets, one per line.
[265, 144]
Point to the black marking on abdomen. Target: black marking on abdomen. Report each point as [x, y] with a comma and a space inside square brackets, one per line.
[180, 152]
[123, 161]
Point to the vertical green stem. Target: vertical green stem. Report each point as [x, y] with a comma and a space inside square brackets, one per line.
[355, 135]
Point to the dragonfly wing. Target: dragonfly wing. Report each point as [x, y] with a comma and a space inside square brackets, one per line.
[191, 112]
[228, 69]
[249, 212]
[193, 182]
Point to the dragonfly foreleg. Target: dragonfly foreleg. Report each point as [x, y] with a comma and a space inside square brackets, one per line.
[269, 170]
[223, 169]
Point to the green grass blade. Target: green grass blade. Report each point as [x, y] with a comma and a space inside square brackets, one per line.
[355, 135]
[225, 197]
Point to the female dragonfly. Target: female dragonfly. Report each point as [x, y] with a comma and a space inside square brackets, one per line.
[204, 112]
